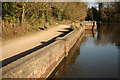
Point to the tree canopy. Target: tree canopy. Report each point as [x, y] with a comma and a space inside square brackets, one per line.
[43, 11]
[21, 17]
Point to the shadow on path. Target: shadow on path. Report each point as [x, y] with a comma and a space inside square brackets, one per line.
[20, 55]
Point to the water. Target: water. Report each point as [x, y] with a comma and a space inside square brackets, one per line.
[96, 56]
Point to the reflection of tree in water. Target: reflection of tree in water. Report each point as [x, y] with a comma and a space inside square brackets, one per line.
[69, 62]
[72, 57]
[108, 33]
[75, 51]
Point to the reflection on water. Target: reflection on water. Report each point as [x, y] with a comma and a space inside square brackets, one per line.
[96, 56]
[109, 34]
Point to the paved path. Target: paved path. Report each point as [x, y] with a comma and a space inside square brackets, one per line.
[18, 45]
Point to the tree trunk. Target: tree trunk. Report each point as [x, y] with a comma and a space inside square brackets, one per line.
[23, 13]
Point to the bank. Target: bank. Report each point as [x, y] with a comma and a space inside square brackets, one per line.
[41, 63]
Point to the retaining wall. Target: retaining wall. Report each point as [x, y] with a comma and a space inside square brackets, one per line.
[63, 66]
[42, 62]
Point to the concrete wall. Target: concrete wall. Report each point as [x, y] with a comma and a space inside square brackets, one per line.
[63, 66]
[36, 63]
[42, 62]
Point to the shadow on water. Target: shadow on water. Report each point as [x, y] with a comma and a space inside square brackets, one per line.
[93, 26]
[20, 55]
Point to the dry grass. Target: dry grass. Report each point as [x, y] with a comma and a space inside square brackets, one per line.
[10, 30]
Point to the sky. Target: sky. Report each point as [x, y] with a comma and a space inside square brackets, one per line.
[95, 3]
[92, 4]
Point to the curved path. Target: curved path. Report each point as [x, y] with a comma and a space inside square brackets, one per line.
[19, 45]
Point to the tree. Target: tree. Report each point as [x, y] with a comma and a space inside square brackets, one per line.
[10, 11]
[36, 14]
[92, 14]
[100, 6]
[117, 7]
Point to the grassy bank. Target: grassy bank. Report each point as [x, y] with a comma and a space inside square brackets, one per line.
[10, 31]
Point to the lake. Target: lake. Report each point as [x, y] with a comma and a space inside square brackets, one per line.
[96, 56]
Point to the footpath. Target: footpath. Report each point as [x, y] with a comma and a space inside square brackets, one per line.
[18, 45]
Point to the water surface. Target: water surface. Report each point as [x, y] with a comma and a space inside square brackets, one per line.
[96, 56]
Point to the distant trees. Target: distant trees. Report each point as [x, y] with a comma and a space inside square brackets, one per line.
[117, 7]
[107, 12]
